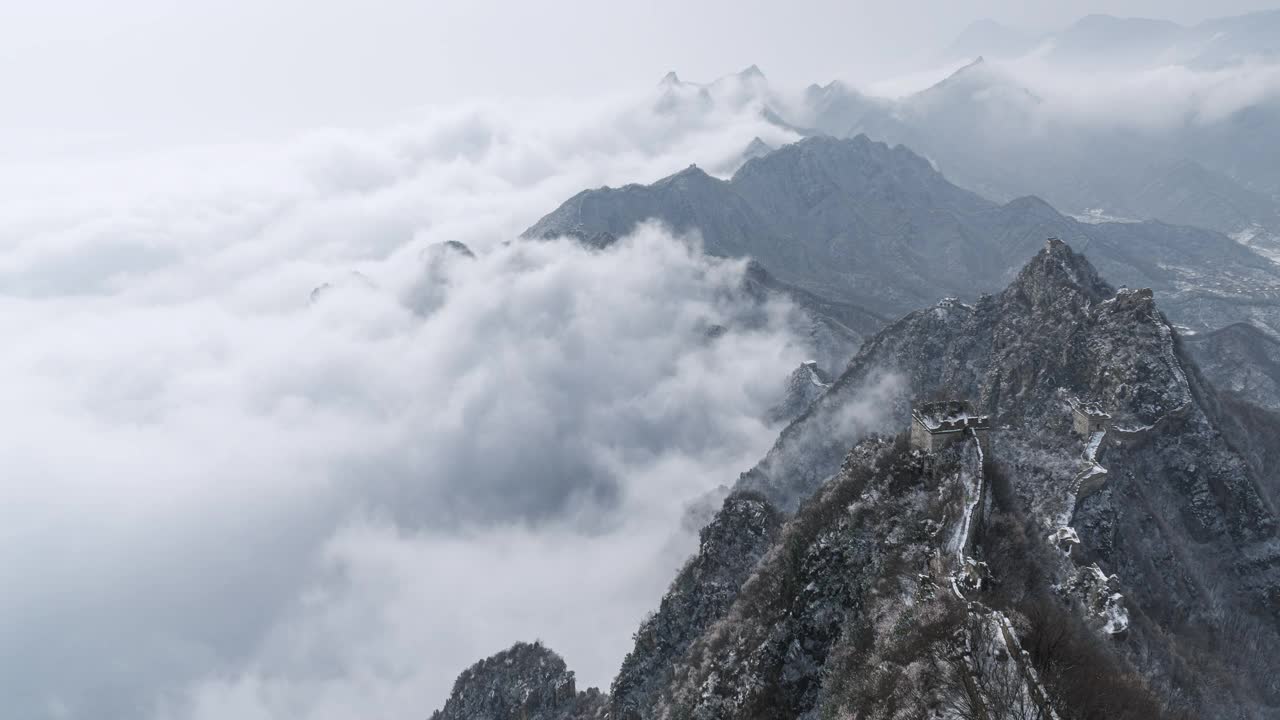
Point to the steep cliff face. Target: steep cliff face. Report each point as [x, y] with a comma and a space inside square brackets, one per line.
[731, 546]
[525, 682]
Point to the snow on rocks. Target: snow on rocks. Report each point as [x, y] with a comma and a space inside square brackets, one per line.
[1096, 591]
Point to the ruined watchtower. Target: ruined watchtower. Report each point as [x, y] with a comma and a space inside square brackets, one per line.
[1088, 418]
[935, 425]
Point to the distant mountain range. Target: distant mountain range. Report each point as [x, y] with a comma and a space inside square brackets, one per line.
[1213, 162]
[877, 227]
[990, 134]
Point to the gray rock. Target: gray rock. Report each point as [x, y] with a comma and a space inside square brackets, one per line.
[525, 682]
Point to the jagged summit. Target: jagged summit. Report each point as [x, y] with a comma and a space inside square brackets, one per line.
[748, 83]
[1056, 325]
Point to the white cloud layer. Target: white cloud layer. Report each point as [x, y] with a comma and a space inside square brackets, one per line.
[1031, 94]
[225, 495]
[1162, 97]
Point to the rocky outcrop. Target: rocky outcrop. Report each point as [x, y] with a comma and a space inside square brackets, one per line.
[525, 682]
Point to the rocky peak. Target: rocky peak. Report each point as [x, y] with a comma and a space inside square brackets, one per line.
[691, 174]
[525, 682]
[1058, 275]
[756, 148]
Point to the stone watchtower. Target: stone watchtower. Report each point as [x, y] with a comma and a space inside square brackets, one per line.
[935, 425]
[1088, 418]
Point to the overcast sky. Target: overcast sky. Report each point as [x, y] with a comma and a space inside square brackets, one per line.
[78, 73]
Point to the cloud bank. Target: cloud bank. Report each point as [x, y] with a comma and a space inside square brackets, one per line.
[1032, 93]
[275, 450]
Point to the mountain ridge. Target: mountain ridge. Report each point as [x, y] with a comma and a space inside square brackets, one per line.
[862, 222]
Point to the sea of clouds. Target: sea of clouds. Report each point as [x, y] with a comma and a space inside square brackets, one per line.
[274, 449]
